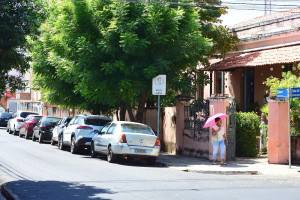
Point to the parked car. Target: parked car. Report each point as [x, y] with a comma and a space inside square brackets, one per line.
[126, 139]
[43, 130]
[80, 132]
[26, 127]
[13, 125]
[4, 117]
[59, 129]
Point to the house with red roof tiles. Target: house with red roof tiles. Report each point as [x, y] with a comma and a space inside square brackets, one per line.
[268, 45]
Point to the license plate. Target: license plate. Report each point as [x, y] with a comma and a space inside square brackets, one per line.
[140, 151]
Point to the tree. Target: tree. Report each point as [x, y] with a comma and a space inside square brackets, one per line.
[18, 19]
[109, 51]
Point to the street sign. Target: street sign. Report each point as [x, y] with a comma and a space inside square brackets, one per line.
[159, 85]
[295, 92]
[282, 93]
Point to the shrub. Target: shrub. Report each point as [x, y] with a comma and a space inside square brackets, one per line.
[247, 128]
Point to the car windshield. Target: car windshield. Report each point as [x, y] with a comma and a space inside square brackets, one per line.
[96, 121]
[136, 128]
[51, 120]
[25, 114]
[6, 115]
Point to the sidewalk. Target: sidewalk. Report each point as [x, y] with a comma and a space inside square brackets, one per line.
[241, 166]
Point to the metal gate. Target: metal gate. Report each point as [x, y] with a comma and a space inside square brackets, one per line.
[231, 130]
[195, 116]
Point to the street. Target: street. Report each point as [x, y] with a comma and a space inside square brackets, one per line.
[42, 171]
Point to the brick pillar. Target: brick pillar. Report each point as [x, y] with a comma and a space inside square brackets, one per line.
[181, 101]
[278, 132]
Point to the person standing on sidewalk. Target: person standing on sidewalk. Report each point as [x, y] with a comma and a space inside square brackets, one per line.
[218, 140]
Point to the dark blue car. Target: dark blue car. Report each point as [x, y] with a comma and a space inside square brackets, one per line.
[4, 117]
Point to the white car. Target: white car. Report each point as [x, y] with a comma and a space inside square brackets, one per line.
[13, 125]
[80, 131]
[59, 129]
[126, 139]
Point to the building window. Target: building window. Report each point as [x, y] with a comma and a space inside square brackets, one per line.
[220, 83]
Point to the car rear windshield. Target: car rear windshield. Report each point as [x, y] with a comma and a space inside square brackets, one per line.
[96, 121]
[36, 118]
[25, 114]
[136, 128]
[6, 115]
[51, 120]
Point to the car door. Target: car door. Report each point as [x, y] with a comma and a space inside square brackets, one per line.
[70, 129]
[36, 129]
[107, 137]
[97, 137]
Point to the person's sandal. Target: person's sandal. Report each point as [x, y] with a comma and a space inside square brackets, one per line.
[223, 163]
[214, 162]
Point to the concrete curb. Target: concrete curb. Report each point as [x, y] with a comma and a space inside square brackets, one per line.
[224, 172]
[8, 193]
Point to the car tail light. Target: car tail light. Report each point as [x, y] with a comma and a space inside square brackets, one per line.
[44, 127]
[122, 138]
[157, 143]
[19, 120]
[84, 127]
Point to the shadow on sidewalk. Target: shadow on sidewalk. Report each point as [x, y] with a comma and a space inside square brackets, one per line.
[24, 190]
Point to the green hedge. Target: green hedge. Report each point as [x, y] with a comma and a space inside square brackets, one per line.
[247, 128]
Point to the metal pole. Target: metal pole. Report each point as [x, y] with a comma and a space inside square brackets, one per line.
[289, 95]
[158, 109]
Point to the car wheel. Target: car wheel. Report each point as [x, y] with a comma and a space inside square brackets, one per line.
[93, 152]
[33, 137]
[26, 134]
[74, 147]
[151, 161]
[15, 132]
[9, 131]
[60, 144]
[41, 138]
[111, 157]
[52, 142]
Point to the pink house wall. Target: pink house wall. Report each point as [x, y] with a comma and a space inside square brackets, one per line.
[278, 133]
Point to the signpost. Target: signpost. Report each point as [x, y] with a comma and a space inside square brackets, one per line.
[289, 93]
[159, 88]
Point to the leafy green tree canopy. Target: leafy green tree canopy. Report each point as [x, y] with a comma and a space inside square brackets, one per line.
[17, 20]
[109, 51]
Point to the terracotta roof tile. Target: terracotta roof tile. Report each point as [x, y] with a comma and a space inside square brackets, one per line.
[282, 55]
[264, 18]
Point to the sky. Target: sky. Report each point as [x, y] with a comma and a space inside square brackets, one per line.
[242, 10]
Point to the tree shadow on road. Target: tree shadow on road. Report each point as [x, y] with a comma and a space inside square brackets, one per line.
[37, 190]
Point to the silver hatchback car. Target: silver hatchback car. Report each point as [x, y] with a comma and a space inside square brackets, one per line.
[126, 139]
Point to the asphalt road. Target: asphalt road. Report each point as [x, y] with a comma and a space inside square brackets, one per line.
[42, 171]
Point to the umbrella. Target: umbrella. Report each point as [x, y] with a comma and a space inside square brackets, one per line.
[211, 120]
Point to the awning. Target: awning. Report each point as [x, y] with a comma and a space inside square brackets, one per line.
[283, 55]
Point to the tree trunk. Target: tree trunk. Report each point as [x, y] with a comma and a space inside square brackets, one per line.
[141, 107]
[122, 111]
[117, 113]
[131, 116]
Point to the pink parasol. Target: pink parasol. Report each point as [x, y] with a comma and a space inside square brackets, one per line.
[211, 120]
